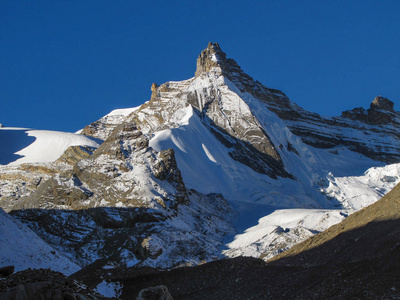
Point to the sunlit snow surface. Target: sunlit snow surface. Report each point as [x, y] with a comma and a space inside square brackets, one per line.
[18, 145]
[123, 112]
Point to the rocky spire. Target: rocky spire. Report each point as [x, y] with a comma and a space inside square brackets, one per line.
[381, 111]
[382, 103]
[213, 58]
[209, 58]
[154, 87]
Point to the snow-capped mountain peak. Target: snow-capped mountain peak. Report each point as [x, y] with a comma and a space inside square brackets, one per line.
[165, 184]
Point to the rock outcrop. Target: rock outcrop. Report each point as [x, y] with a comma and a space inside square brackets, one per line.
[159, 292]
[33, 284]
[6, 271]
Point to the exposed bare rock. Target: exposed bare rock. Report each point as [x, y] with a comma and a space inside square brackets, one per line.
[20, 181]
[381, 112]
[357, 114]
[208, 59]
[382, 103]
[155, 293]
[75, 153]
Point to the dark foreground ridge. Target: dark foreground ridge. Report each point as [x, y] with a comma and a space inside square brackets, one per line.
[358, 258]
[251, 278]
[44, 284]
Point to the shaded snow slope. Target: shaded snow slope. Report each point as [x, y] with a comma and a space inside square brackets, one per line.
[18, 145]
[22, 248]
[280, 230]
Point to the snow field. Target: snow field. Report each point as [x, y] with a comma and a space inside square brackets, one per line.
[41, 146]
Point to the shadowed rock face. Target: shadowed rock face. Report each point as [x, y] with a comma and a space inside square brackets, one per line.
[381, 112]
[44, 284]
[382, 103]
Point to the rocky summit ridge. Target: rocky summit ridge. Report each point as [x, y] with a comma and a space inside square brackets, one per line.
[213, 166]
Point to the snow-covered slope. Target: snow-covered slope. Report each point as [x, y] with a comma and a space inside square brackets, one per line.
[207, 167]
[23, 249]
[19, 145]
[356, 192]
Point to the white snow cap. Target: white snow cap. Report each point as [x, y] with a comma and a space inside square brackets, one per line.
[21, 145]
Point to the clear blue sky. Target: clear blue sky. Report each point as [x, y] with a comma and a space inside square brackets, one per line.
[65, 64]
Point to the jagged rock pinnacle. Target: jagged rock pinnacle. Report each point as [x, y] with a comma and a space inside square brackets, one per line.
[382, 103]
[209, 58]
[154, 87]
[380, 111]
[214, 59]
